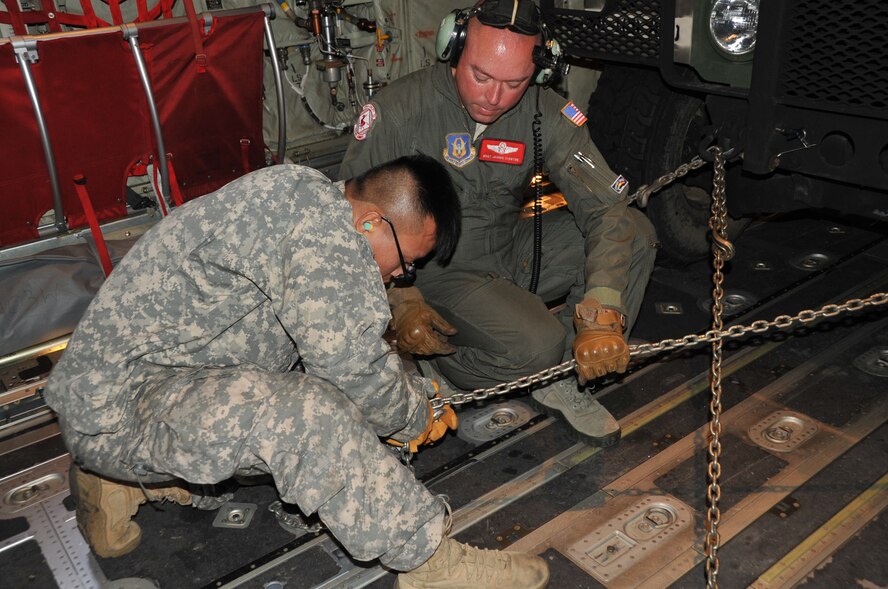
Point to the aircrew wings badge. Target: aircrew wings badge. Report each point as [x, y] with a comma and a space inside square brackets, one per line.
[502, 151]
[365, 121]
[573, 114]
[458, 149]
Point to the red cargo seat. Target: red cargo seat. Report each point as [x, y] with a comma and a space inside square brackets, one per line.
[98, 120]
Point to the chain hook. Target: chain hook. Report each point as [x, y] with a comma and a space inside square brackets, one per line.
[730, 148]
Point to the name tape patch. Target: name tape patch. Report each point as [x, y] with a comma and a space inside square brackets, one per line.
[502, 151]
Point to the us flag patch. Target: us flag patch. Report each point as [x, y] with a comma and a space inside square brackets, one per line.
[574, 114]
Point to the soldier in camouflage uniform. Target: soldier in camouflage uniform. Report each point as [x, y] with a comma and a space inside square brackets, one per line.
[475, 114]
[243, 335]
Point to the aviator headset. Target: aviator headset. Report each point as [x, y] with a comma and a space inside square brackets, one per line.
[519, 16]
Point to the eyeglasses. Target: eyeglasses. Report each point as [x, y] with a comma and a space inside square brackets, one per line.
[408, 276]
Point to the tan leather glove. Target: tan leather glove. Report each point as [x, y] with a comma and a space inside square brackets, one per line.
[435, 429]
[599, 347]
[420, 329]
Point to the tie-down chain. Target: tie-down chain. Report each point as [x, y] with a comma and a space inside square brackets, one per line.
[667, 345]
[722, 251]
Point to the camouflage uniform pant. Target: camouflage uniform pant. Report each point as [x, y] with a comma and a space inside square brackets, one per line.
[208, 425]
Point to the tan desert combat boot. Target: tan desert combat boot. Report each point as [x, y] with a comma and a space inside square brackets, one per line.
[105, 509]
[460, 566]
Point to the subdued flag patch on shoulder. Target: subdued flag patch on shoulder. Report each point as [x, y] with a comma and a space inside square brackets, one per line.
[365, 121]
[573, 114]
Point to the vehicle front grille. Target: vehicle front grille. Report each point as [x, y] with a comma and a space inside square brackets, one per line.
[626, 30]
[835, 54]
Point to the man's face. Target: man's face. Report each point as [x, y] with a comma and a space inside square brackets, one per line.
[415, 243]
[494, 71]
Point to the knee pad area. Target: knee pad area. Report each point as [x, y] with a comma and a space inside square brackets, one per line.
[536, 350]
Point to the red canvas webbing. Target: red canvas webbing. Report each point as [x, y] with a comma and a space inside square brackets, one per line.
[206, 115]
[146, 14]
[200, 56]
[116, 16]
[178, 200]
[19, 19]
[86, 204]
[245, 155]
[155, 179]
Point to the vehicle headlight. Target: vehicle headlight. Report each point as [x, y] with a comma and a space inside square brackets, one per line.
[732, 24]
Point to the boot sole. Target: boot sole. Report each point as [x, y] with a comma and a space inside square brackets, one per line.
[605, 441]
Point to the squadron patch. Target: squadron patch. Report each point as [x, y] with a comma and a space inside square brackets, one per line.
[502, 151]
[619, 184]
[365, 121]
[573, 114]
[459, 150]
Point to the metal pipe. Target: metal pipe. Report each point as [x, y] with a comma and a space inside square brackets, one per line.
[25, 51]
[279, 91]
[132, 34]
[54, 345]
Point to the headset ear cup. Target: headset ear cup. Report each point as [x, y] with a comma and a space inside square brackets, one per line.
[548, 61]
[451, 36]
[444, 41]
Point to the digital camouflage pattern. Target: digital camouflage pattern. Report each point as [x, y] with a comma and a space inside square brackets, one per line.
[183, 365]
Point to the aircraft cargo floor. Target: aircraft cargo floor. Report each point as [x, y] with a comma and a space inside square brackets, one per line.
[804, 460]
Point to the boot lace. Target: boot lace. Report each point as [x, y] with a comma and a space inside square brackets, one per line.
[578, 400]
[481, 564]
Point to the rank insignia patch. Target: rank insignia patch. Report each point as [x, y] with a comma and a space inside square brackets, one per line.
[459, 150]
[573, 114]
[619, 184]
[365, 121]
[502, 151]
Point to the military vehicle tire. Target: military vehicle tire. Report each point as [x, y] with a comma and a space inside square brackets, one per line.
[645, 130]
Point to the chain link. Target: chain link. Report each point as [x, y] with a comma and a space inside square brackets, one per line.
[758, 327]
[643, 194]
[722, 250]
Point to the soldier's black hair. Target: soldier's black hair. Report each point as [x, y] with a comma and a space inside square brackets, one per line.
[435, 196]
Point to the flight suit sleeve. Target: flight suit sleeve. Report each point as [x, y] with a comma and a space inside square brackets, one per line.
[376, 139]
[595, 195]
[334, 307]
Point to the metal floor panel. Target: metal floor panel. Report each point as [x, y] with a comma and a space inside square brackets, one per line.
[38, 495]
[812, 553]
[586, 523]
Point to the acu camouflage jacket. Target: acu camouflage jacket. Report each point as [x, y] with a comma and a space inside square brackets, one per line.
[268, 271]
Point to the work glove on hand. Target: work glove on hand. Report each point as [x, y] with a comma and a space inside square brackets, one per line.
[435, 429]
[420, 329]
[599, 347]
